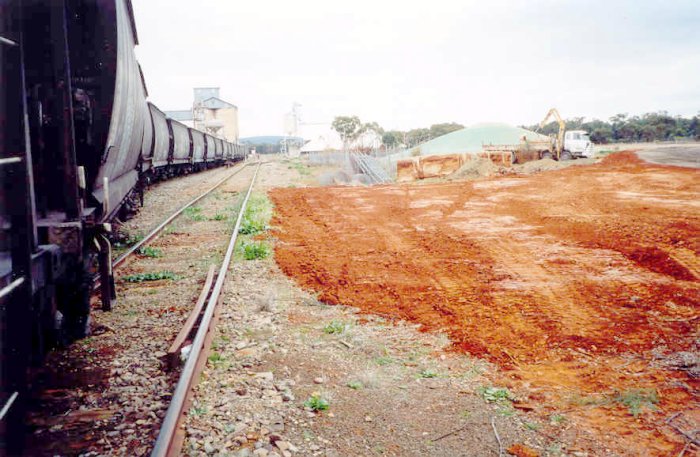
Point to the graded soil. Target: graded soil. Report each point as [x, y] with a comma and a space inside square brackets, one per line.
[582, 284]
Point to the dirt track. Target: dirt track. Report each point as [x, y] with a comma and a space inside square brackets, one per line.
[582, 284]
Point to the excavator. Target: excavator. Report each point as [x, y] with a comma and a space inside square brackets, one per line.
[569, 145]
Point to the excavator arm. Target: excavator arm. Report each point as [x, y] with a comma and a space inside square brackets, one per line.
[562, 129]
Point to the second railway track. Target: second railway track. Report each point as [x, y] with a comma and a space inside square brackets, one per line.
[120, 392]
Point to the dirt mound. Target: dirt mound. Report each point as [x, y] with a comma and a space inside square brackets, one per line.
[475, 168]
[622, 158]
[537, 166]
[540, 165]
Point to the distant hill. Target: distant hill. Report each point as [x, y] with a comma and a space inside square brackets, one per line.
[270, 144]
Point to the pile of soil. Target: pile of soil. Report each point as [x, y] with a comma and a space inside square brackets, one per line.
[539, 165]
[475, 168]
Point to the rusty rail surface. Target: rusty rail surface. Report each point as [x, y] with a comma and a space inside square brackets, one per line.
[171, 435]
[174, 350]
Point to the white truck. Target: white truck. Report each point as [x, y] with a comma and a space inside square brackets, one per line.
[578, 144]
[568, 144]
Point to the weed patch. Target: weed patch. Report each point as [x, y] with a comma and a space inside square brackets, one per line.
[255, 250]
[156, 276]
[317, 403]
[557, 419]
[127, 240]
[355, 385]
[531, 426]
[335, 327]
[637, 399]
[301, 168]
[496, 394]
[148, 251]
[198, 411]
[194, 213]
[384, 360]
[428, 374]
[257, 215]
[215, 357]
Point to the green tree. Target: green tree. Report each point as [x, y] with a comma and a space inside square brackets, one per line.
[694, 128]
[372, 127]
[348, 127]
[392, 138]
[417, 136]
[437, 130]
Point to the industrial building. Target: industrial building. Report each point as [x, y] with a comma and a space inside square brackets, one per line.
[210, 114]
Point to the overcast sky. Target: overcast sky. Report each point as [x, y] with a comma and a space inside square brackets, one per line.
[412, 64]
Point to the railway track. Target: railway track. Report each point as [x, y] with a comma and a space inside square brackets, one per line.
[121, 259]
[142, 327]
[171, 436]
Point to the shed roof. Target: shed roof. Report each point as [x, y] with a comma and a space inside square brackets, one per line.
[217, 103]
[180, 115]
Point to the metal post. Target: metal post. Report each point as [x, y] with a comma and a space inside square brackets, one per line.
[107, 288]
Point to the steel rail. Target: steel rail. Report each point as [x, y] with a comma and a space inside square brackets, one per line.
[174, 350]
[164, 444]
[163, 224]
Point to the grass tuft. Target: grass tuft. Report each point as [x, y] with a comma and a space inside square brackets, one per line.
[334, 327]
[383, 360]
[194, 213]
[355, 385]
[557, 419]
[637, 399]
[428, 374]
[496, 394]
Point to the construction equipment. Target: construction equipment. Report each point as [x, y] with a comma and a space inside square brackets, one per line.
[568, 145]
[559, 145]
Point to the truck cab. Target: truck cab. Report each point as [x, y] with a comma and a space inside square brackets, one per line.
[578, 143]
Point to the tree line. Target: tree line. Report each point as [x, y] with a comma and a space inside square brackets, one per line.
[622, 128]
[350, 128]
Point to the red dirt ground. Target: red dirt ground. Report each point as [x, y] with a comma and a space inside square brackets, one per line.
[581, 284]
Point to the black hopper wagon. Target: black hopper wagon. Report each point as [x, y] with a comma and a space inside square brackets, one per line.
[78, 144]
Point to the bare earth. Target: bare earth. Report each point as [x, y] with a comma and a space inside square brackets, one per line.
[580, 284]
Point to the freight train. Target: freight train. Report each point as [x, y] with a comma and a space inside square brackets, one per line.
[78, 144]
